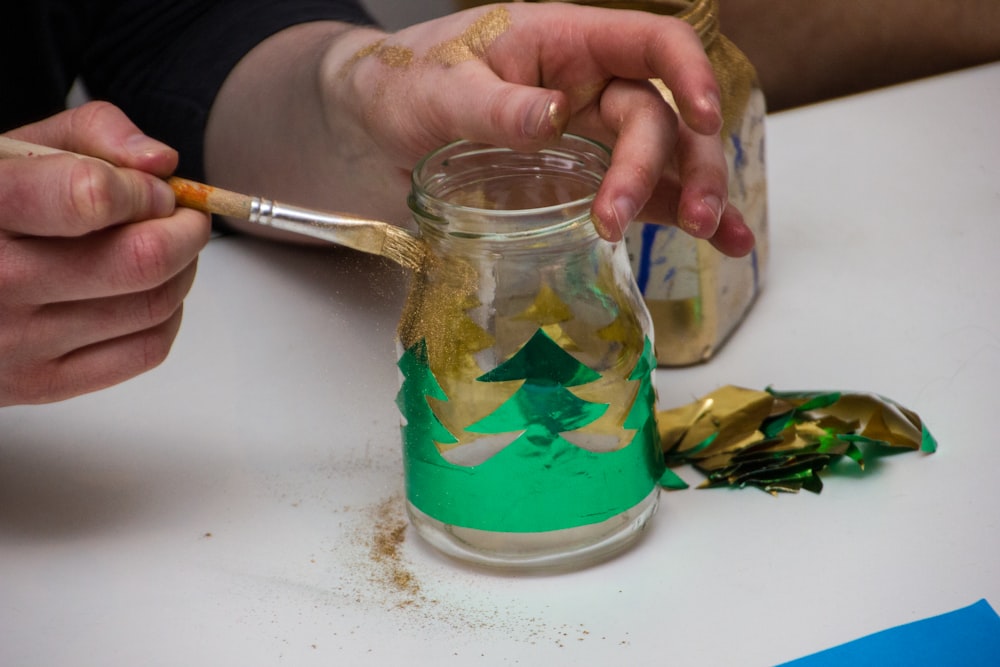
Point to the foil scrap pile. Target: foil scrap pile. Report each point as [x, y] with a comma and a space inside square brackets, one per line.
[780, 441]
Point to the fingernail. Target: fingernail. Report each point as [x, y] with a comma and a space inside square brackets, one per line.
[624, 210]
[545, 119]
[140, 145]
[713, 99]
[714, 204]
[695, 226]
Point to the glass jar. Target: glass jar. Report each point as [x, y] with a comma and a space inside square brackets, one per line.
[526, 359]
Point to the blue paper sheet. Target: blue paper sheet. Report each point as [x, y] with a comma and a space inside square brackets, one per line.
[969, 637]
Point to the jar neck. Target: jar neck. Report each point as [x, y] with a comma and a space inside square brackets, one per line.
[486, 194]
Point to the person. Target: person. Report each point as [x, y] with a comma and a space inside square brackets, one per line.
[810, 51]
[307, 102]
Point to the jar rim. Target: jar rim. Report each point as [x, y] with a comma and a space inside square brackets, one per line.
[589, 160]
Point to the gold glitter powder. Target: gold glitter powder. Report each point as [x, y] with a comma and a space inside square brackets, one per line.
[395, 56]
[472, 43]
[390, 532]
[437, 311]
[389, 55]
[440, 297]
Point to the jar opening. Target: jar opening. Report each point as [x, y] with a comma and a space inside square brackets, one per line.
[474, 189]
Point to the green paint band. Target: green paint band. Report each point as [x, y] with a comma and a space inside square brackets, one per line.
[540, 481]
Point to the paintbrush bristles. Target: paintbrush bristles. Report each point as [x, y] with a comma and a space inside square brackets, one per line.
[403, 248]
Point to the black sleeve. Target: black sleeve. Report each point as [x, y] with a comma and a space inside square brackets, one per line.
[164, 62]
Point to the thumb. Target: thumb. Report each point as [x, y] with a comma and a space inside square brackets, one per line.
[102, 130]
[506, 114]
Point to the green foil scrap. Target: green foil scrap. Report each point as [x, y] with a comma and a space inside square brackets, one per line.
[780, 441]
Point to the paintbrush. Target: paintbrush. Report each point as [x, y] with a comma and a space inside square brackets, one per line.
[371, 236]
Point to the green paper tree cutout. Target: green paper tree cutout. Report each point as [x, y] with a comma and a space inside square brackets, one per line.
[542, 407]
[422, 425]
[642, 417]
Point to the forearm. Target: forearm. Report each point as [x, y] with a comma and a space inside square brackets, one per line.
[806, 50]
[283, 126]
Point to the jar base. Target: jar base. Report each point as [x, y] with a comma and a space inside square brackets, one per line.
[566, 549]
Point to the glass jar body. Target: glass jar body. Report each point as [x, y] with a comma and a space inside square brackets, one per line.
[526, 355]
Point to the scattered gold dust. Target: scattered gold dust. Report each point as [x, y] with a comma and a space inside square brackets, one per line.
[389, 535]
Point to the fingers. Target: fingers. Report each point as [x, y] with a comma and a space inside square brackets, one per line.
[704, 179]
[95, 261]
[493, 111]
[733, 237]
[62, 328]
[602, 44]
[689, 190]
[77, 315]
[556, 65]
[90, 368]
[119, 260]
[646, 132]
[62, 195]
[69, 196]
[102, 130]
[703, 210]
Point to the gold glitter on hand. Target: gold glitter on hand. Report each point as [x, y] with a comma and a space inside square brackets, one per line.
[470, 45]
[389, 55]
[474, 42]
[395, 56]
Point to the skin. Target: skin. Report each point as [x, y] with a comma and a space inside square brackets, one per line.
[556, 68]
[95, 261]
[810, 50]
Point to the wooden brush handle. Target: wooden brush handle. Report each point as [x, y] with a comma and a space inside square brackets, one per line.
[210, 199]
[188, 193]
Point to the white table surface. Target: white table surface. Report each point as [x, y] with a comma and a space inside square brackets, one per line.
[221, 509]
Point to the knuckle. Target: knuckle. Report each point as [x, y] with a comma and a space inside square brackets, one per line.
[146, 257]
[19, 338]
[95, 113]
[161, 303]
[644, 177]
[156, 344]
[89, 197]
[12, 271]
[498, 109]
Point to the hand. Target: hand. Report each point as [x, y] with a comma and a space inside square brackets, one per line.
[95, 261]
[519, 75]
